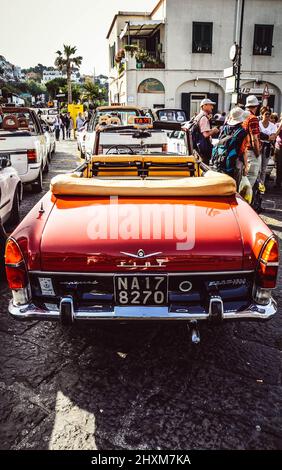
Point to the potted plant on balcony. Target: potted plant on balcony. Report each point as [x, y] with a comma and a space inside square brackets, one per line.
[119, 56]
[151, 63]
[141, 57]
[131, 49]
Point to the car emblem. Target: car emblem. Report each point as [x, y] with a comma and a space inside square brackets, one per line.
[141, 254]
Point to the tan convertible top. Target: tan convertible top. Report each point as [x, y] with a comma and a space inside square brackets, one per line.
[211, 184]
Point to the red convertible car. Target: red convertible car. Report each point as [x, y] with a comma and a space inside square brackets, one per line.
[136, 235]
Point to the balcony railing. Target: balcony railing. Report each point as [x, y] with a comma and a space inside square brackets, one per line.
[265, 49]
[151, 60]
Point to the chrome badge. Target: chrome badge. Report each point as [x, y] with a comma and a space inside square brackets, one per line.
[141, 254]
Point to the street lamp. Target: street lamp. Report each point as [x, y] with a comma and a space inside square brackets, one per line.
[239, 55]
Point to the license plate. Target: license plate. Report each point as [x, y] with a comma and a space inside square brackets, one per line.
[141, 290]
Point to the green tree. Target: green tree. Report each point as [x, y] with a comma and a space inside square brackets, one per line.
[94, 93]
[35, 88]
[90, 91]
[66, 61]
[76, 92]
[53, 86]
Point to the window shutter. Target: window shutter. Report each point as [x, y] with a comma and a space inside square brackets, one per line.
[214, 97]
[185, 103]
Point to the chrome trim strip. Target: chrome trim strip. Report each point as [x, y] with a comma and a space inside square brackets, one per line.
[141, 257]
[15, 265]
[31, 312]
[184, 273]
[5, 203]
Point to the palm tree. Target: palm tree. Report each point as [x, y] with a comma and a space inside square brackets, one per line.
[91, 92]
[66, 62]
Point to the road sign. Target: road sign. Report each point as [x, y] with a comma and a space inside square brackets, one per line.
[228, 72]
[234, 98]
[256, 91]
[230, 84]
[61, 95]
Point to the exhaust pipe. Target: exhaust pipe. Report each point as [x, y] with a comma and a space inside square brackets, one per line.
[195, 334]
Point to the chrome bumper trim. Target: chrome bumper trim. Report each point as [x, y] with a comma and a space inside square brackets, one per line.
[31, 312]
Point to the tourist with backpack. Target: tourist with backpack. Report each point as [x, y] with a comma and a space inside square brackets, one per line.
[202, 132]
[229, 155]
[251, 125]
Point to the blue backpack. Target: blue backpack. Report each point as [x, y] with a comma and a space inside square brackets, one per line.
[227, 151]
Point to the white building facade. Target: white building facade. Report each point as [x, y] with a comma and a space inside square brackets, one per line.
[185, 48]
[52, 74]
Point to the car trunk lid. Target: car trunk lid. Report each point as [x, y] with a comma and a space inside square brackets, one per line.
[13, 143]
[141, 234]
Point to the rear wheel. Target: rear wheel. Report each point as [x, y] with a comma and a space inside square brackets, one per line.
[37, 185]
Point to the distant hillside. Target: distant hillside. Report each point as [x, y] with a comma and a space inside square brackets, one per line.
[8, 71]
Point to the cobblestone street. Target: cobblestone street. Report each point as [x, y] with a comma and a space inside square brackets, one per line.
[139, 386]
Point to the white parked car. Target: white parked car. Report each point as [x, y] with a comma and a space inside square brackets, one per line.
[10, 197]
[10, 191]
[80, 138]
[122, 114]
[22, 137]
[49, 133]
[48, 115]
[176, 143]
[128, 141]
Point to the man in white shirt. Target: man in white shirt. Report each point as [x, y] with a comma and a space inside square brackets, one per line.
[268, 134]
[204, 145]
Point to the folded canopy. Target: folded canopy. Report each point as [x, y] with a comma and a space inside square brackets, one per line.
[211, 184]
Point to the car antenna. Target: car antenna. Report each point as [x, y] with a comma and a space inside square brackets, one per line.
[41, 210]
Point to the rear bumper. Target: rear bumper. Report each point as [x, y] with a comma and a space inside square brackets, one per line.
[32, 173]
[116, 313]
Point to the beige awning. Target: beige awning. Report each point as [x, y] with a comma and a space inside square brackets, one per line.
[140, 28]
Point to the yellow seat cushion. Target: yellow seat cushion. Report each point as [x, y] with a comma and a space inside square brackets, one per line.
[211, 184]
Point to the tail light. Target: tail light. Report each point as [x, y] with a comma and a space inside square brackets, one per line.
[16, 272]
[164, 148]
[31, 156]
[268, 265]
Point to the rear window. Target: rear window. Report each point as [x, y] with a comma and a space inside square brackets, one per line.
[25, 119]
[132, 142]
[124, 116]
[171, 115]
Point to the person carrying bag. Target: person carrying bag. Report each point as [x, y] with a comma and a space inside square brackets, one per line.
[228, 156]
[202, 132]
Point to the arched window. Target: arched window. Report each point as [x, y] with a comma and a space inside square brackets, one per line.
[151, 85]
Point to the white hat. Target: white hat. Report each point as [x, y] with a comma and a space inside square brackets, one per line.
[252, 101]
[237, 115]
[207, 101]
